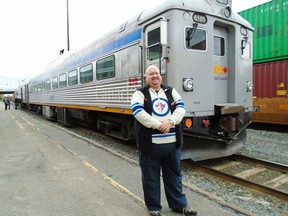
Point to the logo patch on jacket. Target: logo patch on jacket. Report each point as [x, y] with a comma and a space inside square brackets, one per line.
[160, 107]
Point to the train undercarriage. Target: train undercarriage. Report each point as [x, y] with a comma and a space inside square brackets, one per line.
[217, 136]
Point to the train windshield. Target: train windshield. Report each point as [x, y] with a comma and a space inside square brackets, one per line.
[195, 38]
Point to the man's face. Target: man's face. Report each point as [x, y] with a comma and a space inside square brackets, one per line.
[153, 78]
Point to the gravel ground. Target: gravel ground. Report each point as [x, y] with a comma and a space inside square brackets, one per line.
[268, 145]
[262, 144]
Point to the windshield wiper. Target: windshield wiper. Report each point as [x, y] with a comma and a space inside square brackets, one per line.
[191, 33]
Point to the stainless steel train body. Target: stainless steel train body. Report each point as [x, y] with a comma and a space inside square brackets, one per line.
[203, 49]
[21, 94]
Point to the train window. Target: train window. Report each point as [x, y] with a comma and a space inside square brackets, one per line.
[48, 85]
[154, 47]
[246, 50]
[72, 78]
[105, 68]
[62, 80]
[86, 74]
[39, 87]
[55, 83]
[43, 85]
[195, 38]
[225, 2]
[219, 46]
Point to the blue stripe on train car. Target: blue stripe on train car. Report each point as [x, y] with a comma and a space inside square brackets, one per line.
[106, 49]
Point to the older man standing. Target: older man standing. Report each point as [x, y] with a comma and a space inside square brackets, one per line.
[7, 103]
[158, 112]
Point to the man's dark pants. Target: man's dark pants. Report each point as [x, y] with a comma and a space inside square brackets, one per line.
[167, 157]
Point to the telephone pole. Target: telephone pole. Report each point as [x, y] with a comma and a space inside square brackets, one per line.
[68, 40]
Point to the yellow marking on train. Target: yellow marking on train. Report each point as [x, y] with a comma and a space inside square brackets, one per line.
[218, 69]
[94, 108]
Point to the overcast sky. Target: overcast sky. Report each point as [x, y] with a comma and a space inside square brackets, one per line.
[34, 31]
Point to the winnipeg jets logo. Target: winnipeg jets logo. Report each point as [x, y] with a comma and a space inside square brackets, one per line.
[160, 107]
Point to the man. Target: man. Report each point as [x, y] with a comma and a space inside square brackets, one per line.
[158, 112]
[7, 103]
[16, 103]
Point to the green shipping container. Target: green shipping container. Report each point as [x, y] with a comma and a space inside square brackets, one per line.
[270, 21]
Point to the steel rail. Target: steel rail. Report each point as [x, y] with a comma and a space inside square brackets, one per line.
[241, 181]
[269, 164]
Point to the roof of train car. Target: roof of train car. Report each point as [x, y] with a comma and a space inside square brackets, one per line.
[211, 7]
[132, 33]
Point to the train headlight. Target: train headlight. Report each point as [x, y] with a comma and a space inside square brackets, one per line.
[249, 86]
[188, 84]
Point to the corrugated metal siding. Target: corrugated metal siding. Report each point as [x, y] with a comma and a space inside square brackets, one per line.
[270, 21]
[271, 79]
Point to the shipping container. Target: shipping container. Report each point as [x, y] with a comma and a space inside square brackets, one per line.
[270, 92]
[270, 21]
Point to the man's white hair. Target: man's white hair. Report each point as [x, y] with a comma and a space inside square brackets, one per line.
[148, 69]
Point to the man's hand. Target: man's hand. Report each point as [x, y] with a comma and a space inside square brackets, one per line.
[165, 126]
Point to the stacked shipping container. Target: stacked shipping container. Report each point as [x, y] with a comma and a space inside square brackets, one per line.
[270, 58]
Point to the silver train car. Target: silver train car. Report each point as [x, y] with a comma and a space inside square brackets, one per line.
[202, 48]
[21, 94]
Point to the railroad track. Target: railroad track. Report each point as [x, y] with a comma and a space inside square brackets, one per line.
[264, 176]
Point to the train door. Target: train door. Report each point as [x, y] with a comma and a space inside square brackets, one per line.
[155, 45]
[21, 94]
[221, 69]
[26, 96]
